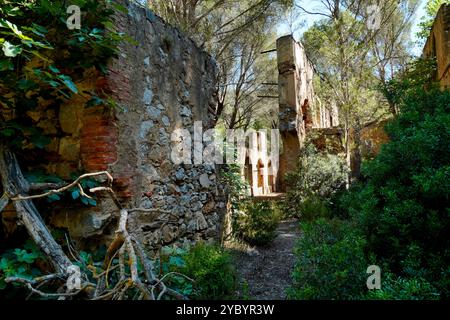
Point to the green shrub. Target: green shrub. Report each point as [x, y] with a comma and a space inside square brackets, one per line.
[402, 205]
[330, 262]
[397, 288]
[258, 223]
[313, 207]
[19, 262]
[212, 270]
[311, 187]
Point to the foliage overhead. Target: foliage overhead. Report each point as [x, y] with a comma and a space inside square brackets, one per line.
[431, 10]
[41, 60]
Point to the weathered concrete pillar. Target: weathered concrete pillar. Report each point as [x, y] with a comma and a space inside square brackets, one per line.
[290, 114]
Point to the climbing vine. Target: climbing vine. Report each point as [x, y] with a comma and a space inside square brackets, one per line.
[41, 61]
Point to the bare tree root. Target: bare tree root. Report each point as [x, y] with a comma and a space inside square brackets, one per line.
[128, 250]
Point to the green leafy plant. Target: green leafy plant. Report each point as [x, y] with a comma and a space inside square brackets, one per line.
[42, 60]
[19, 262]
[257, 222]
[237, 188]
[209, 266]
[398, 288]
[38, 176]
[401, 206]
[312, 186]
[172, 259]
[331, 262]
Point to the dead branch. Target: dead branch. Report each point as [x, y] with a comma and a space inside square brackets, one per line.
[29, 285]
[75, 183]
[127, 248]
[45, 186]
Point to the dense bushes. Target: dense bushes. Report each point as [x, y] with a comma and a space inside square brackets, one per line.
[19, 262]
[402, 206]
[330, 261]
[397, 217]
[312, 186]
[258, 222]
[212, 269]
[209, 266]
[42, 61]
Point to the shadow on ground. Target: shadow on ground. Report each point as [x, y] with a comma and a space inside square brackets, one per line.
[265, 272]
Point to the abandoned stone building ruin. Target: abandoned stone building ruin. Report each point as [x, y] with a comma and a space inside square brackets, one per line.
[162, 83]
[301, 113]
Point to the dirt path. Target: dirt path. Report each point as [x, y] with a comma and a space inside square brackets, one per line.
[267, 270]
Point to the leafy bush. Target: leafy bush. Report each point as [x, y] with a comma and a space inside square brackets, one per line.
[311, 187]
[313, 207]
[172, 260]
[402, 207]
[19, 262]
[257, 223]
[397, 288]
[330, 262]
[418, 74]
[212, 270]
[42, 60]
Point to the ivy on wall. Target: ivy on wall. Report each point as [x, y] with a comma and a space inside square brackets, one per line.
[41, 60]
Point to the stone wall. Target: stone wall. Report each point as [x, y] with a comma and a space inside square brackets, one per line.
[172, 84]
[373, 136]
[438, 45]
[161, 83]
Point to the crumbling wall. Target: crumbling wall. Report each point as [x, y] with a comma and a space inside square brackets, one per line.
[300, 109]
[161, 82]
[373, 136]
[438, 45]
[171, 83]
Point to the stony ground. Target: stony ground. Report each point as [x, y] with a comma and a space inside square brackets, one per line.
[265, 272]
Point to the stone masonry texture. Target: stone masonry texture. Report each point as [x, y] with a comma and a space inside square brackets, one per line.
[161, 82]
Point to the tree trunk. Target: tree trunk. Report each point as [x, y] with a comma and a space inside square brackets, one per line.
[14, 183]
[356, 155]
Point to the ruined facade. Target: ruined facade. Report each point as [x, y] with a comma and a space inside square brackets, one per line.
[438, 45]
[301, 112]
[261, 164]
[161, 83]
[173, 84]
